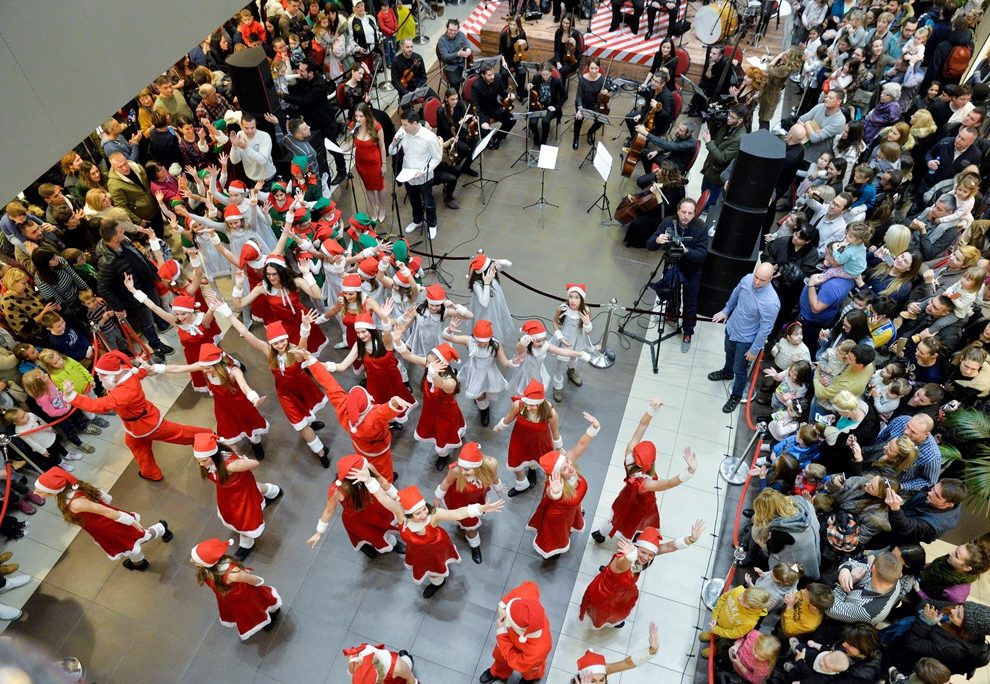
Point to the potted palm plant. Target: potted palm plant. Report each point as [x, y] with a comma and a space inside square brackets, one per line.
[965, 447]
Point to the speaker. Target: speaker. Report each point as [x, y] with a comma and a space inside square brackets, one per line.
[739, 230]
[756, 169]
[252, 82]
[714, 292]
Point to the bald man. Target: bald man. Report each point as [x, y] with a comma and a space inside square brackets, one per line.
[751, 310]
[924, 472]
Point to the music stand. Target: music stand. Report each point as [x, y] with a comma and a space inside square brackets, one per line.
[528, 155]
[592, 115]
[547, 160]
[475, 154]
[419, 38]
[482, 63]
[414, 97]
[603, 165]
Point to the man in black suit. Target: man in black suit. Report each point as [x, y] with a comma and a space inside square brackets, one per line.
[945, 160]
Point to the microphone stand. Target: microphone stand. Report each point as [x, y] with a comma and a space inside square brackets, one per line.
[395, 191]
[434, 264]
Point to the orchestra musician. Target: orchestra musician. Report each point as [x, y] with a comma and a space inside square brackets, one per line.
[667, 185]
[678, 149]
[665, 58]
[487, 96]
[513, 47]
[549, 96]
[452, 128]
[362, 36]
[409, 71]
[655, 97]
[356, 90]
[667, 6]
[632, 21]
[454, 51]
[566, 49]
[590, 84]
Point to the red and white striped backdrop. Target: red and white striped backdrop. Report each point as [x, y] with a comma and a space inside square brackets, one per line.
[625, 45]
[476, 21]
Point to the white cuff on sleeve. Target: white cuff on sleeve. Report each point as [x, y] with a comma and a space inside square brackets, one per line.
[195, 261]
[252, 396]
[641, 658]
[439, 493]
[125, 518]
[330, 366]
[140, 296]
[224, 310]
[474, 510]
[558, 443]
[215, 239]
[392, 492]
[372, 486]
[681, 543]
[399, 346]
[592, 431]
[321, 526]
[652, 410]
[685, 476]
[158, 368]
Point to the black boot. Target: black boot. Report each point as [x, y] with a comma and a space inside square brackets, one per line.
[441, 463]
[486, 415]
[242, 553]
[476, 554]
[271, 625]
[325, 457]
[591, 138]
[167, 537]
[259, 451]
[140, 567]
[431, 589]
[369, 551]
[399, 547]
[317, 425]
[574, 144]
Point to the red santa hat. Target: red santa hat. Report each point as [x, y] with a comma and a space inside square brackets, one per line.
[169, 271]
[346, 465]
[364, 321]
[358, 404]
[643, 455]
[232, 213]
[446, 353]
[436, 295]
[204, 445]
[210, 354]
[236, 186]
[331, 247]
[534, 329]
[470, 456]
[411, 499]
[483, 331]
[54, 480]
[523, 614]
[403, 279]
[580, 288]
[649, 539]
[275, 259]
[415, 265]
[534, 394]
[184, 304]
[351, 283]
[552, 462]
[368, 268]
[113, 363]
[208, 553]
[479, 264]
[365, 672]
[591, 663]
[250, 255]
[276, 332]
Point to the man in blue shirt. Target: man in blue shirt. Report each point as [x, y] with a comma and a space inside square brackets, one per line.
[820, 305]
[751, 311]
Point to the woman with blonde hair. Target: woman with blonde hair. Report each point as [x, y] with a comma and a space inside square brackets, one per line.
[786, 528]
[894, 279]
[21, 307]
[467, 482]
[922, 124]
[98, 203]
[890, 458]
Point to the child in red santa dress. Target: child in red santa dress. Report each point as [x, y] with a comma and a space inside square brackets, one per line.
[366, 423]
[429, 550]
[143, 422]
[440, 421]
[369, 664]
[559, 511]
[118, 532]
[369, 525]
[299, 398]
[240, 498]
[467, 482]
[245, 602]
[351, 304]
[535, 431]
[611, 596]
[635, 508]
[523, 640]
[592, 668]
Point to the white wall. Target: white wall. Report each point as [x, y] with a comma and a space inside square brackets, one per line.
[66, 65]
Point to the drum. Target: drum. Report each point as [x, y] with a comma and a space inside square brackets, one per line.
[715, 22]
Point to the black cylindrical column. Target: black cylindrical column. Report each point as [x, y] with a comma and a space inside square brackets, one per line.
[251, 79]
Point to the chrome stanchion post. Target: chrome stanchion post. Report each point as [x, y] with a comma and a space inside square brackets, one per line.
[604, 357]
[731, 468]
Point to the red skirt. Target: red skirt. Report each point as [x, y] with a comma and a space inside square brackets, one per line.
[245, 607]
[290, 315]
[299, 397]
[373, 524]
[430, 553]
[440, 422]
[116, 539]
[385, 381]
[554, 521]
[240, 503]
[610, 597]
[368, 162]
[190, 347]
[529, 440]
[237, 418]
[474, 494]
[634, 509]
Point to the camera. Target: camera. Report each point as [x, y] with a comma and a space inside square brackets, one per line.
[675, 248]
[716, 114]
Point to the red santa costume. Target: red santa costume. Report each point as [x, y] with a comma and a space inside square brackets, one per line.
[244, 606]
[241, 499]
[143, 422]
[120, 536]
[429, 550]
[591, 664]
[530, 439]
[284, 306]
[611, 596]
[352, 283]
[384, 380]
[470, 458]
[554, 519]
[193, 335]
[440, 422]
[366, 423]
[252, 262]
[237, 417]
[370, 525]
[365, 663]
[635, 508]
[524, 642]
[299, 398]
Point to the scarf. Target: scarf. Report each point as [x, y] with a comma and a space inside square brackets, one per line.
[939, 575]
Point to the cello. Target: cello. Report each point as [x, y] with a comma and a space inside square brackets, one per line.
[634, 206]
[635, 148]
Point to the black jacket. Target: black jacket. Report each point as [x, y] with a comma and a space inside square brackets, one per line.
[556, 91]
[923, 640]
[695, 237]
[310, 98]
[113, 268]
[485, 97]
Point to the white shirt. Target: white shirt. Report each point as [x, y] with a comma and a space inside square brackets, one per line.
[419, 151]
[256, 157]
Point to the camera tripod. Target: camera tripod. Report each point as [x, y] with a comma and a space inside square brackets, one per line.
[668, 306]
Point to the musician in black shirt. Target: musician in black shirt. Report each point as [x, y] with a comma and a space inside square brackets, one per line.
[654, 95]
[590, 84]
[453, 122]
[549, 97]
[513, 35]
[487, 95]
[408, 70]
[561, 54]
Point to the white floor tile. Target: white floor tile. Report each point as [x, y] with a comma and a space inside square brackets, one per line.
[607, 638]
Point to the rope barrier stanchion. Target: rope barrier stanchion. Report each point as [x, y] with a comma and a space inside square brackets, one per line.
[729, 468]
[604, 356]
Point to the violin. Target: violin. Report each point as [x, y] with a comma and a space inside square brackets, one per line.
[522, 51]
[472, 126]
[509, 101]
[570, 51]
[406, 78]
[602, 102]
[535, 105]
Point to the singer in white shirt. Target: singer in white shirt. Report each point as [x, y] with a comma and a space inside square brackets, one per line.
[421, 154]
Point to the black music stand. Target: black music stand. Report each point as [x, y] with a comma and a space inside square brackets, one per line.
[670, 303]
[478, 152]
[592, 115]
[547, 160]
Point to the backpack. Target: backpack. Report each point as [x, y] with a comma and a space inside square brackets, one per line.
[957, 61]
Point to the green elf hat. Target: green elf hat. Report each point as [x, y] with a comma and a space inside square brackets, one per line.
[367, 240]
[202, 174]
[278, 187]
[299, 162]
[321, 206]
[220, 125]
[174, 202]
[400, 252]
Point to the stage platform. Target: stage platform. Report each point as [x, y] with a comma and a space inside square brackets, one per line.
[630, 54]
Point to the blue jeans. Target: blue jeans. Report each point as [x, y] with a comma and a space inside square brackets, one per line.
[736, 363]
[714, 191]
[388, 45]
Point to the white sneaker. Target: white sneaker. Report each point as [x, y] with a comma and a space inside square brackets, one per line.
[64, 465]
[413, 227]
[17, 579]
[433, 232]
[73, 456]
[9, 613]
[341, 345]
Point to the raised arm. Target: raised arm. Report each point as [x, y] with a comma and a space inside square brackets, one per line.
[636, 659]
[324, 521]
[652, 408]
[582, 445]
[470, 511]
[142, 298]
[661, 485]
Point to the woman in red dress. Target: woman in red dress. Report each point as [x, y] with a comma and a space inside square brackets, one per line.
[559, 511]
[635, 508]
[370, 159]
[378, 665]
[612, 595]
[240, 498]
[373, 349]
[369, 525]
[440, 421]
[535, 431]
[299, 398]
[118, 532]
[467, 482]
[280, 289]
[351, 304]
[429, 550]
[246, 603]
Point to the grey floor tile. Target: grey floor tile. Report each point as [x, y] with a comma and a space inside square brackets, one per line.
[393, 617]
[333, 586]
[100, 640]
[154, 657]
[49, 616]
[461, 649]
[81, 553]
[297, 637]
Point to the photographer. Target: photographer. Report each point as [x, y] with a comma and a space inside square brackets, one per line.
[685, 241]
[794, 257]
[722, 149]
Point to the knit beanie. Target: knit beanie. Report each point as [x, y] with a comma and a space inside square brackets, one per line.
[976, 618]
